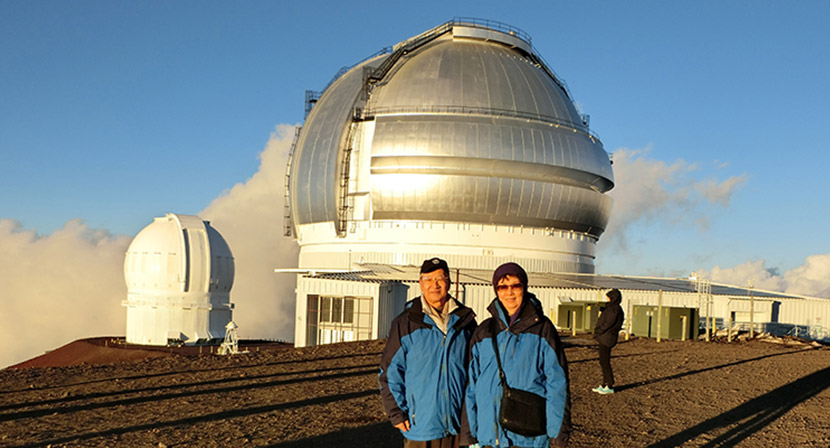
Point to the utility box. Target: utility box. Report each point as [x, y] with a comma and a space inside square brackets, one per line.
[578, 316]
[675, 323]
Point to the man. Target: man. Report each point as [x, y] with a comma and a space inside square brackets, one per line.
[423, 368]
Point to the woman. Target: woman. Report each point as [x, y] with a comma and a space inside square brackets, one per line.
[532, 358]
[607, 330]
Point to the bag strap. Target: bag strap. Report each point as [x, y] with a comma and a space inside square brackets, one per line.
[496, 350]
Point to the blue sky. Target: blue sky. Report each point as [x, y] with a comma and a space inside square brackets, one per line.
[115, 112]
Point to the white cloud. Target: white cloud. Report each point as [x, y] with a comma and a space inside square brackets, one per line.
[250, 218]
[653, 191]
[810, 279]
[754, 273]
[59, 287]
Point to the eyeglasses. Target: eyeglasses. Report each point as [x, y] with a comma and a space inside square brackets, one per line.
[434, 280]
[514, 287]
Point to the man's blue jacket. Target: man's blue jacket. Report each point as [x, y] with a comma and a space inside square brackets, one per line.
[423, 372]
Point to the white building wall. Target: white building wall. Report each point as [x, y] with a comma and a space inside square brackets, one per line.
[463, 245]
[390, 297]
[812, 312]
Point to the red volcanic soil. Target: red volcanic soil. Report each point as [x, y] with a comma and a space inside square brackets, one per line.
[749, 394]
[108, 350]
[89, 351]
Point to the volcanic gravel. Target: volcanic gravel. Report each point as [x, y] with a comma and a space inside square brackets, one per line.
[673, 393]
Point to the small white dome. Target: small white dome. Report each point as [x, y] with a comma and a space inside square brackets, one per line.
[179, 273]
[179, 254]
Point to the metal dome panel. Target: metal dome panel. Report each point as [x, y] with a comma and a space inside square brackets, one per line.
[483, 76]
[315, 165]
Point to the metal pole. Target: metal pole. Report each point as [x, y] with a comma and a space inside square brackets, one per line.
[729, 328]
[708, 311]
[683, 318]
[573, 322]
[659, 314]
[712, 306]
[751, 313]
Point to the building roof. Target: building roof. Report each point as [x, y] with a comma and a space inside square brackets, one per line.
[409, 274]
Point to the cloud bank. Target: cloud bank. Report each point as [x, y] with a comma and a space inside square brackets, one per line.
[649, 190]
[250, 218]
[59, 287]
[810, 279]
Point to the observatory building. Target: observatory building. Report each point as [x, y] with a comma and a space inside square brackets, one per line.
[460, 142]
[179, 273]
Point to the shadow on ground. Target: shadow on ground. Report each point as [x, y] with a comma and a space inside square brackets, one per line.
[377, 435]
[753, 415]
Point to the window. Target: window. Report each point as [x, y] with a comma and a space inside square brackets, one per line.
[348, 310]
[312, 302]
[340, 319]
[325, 309]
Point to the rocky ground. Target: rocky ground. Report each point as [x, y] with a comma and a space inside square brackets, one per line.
[689, 394]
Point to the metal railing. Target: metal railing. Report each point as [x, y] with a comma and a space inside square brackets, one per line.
[371, 113]
[491, 25]
[343, 70]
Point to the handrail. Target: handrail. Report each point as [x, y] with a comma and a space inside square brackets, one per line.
[346, 68]
[492, 25]
[371, 113]
[406, 47]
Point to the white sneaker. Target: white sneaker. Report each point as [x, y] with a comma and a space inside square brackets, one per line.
[598, 389]
[605, 390]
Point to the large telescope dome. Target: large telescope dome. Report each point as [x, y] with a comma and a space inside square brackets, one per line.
[458, 142]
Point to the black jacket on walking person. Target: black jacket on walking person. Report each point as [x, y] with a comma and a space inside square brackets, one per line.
[606, 332]
[610, 321]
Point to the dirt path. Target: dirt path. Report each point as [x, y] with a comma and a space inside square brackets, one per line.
[690, 394]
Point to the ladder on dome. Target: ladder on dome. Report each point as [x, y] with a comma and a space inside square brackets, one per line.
[346, 201]
[287, 225]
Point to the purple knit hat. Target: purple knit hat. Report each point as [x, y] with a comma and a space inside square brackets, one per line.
[510, 269]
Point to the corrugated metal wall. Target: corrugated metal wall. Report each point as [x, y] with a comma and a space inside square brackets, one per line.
[391, 300]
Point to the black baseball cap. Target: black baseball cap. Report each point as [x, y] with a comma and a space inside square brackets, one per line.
[434, 264]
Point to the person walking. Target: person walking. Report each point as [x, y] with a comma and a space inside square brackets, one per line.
[423, 368]
[517, 347]
[606, 332]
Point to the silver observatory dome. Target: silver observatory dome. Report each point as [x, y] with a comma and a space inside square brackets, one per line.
[462, 129]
